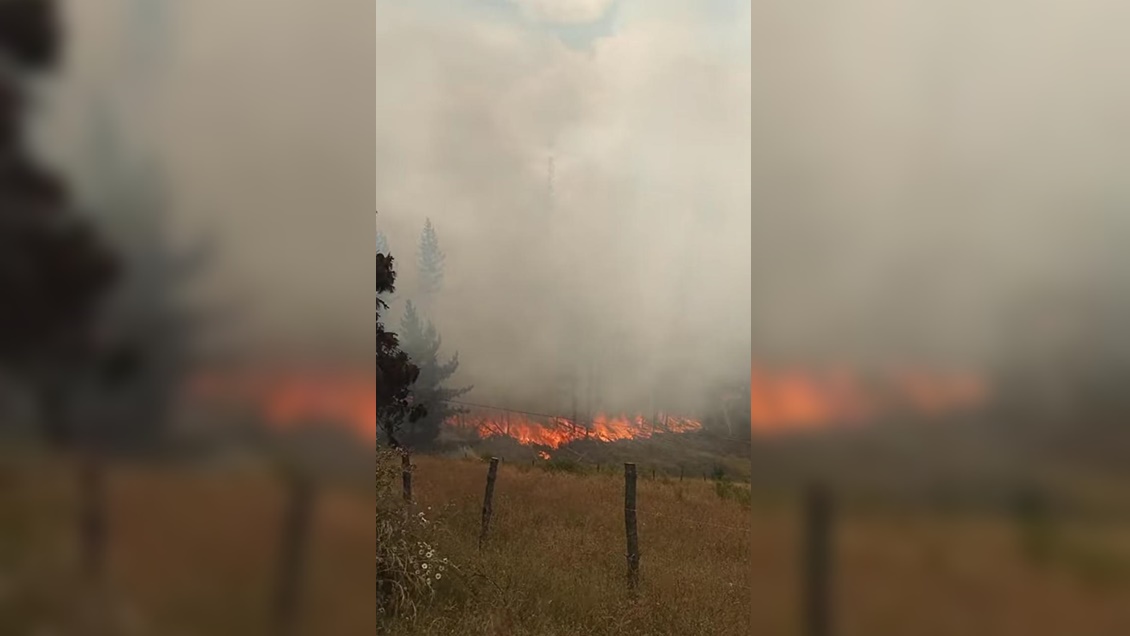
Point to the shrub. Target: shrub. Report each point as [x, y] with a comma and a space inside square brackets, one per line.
[565, 466]
[733, 492]
[409, 567]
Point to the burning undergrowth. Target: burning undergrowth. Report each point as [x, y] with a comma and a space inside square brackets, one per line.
[784, 402]
[291, 401]
[550, 432]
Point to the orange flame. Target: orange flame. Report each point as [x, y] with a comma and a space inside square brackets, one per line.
[793, 401]
[780, 402]
[555, 432]
[288, 400]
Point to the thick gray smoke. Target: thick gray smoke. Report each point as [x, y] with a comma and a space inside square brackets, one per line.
[930, 176]
[252, 111]
[636, 268]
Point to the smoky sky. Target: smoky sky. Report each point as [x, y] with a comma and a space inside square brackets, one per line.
[258, 115]
[879, 179]
[638, 266]
[922, 169]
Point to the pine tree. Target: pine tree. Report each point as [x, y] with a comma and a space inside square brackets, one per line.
[55, 271]
[422, 343]
[429, 263]
[389, 297]
[395, 372]
[147, 306]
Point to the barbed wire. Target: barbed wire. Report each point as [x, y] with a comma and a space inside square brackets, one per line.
[862, 502]
[664, 517]
[559, 419]
[697, 522]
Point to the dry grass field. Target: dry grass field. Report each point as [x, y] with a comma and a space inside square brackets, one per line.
[720, 562]
[554, 562]
[189, 552]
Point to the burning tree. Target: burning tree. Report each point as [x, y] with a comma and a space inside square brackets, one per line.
[429, 261]
[54, 269]
[422, 343]
[395, 372]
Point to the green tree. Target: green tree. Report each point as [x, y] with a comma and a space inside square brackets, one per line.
[395, 372]
[55, 270]
[429, 263]
[147, 306]
[382, 248]
[422, 343]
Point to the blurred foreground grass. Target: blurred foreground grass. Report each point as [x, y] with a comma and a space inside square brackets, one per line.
[191, 551]
[715, 561]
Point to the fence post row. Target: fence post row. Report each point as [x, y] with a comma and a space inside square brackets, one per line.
[406, 475]
[492, 473]
[817, 558]
[92, 521]
[630, 527]
[294, 543]
[294, 540]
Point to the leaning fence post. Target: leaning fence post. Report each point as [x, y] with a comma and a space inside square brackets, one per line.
[293, 545]
[492, 473]
[93, 520]
[630, 527]
[817, 558]
[1031, 511]
[406, 475]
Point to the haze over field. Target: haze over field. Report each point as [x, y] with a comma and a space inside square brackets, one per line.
[638, 263]
[923, 170]
[251, 111]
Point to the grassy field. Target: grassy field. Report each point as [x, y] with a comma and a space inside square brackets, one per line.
[716, 560]
[190, 552]
[555, 565]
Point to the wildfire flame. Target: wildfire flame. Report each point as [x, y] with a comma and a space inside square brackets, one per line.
[289, 400]
[780, 402]
[555, 432]
[791, 401]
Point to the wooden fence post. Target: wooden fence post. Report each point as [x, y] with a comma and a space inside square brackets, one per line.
[92, 522]
[406, 475]
[1031, 511]
[817, 559]
[294, 541]
[492, 473]
[630, 527]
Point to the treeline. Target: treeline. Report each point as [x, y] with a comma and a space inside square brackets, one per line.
[417, 396]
